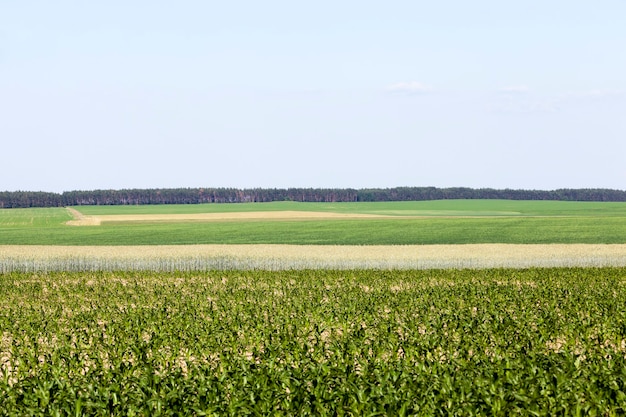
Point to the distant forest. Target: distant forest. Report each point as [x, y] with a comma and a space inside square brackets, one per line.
[23, 199]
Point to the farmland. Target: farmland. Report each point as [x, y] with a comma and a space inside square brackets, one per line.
[464, 342]
[398, 223]
[291, 235]
[415, 308]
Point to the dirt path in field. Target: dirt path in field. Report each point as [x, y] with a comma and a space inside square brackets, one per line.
[82, 220]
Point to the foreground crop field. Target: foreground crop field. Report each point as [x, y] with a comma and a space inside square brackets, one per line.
[394, 223]
[490, 342]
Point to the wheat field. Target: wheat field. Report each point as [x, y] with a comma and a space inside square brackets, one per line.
[285, 257]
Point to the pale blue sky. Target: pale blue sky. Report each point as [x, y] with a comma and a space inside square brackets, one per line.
[191, 93]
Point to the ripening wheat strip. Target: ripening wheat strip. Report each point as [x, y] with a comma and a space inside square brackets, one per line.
[284, 257]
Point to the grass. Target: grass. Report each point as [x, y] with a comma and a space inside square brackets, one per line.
[501, 342]
[32, 218]
[397, 208]
[343, 232]
[445, 222]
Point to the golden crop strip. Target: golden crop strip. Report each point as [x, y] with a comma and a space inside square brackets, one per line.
[82, 220]
[280, 257]
[282, 215]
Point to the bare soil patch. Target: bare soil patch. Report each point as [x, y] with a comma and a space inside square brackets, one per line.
[80, 219]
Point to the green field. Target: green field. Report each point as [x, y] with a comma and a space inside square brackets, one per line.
[427, 222]
[492, 342]
[32, 218]
[398, 208]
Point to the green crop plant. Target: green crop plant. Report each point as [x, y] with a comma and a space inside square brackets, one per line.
[435, 342]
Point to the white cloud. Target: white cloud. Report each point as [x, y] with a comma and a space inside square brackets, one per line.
[411, 87]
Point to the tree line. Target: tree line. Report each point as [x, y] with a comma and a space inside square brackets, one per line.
[23, 199]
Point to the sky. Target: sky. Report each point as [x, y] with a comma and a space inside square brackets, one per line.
[326, 94]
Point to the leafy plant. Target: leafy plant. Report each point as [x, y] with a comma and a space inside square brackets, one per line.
[435, 342]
